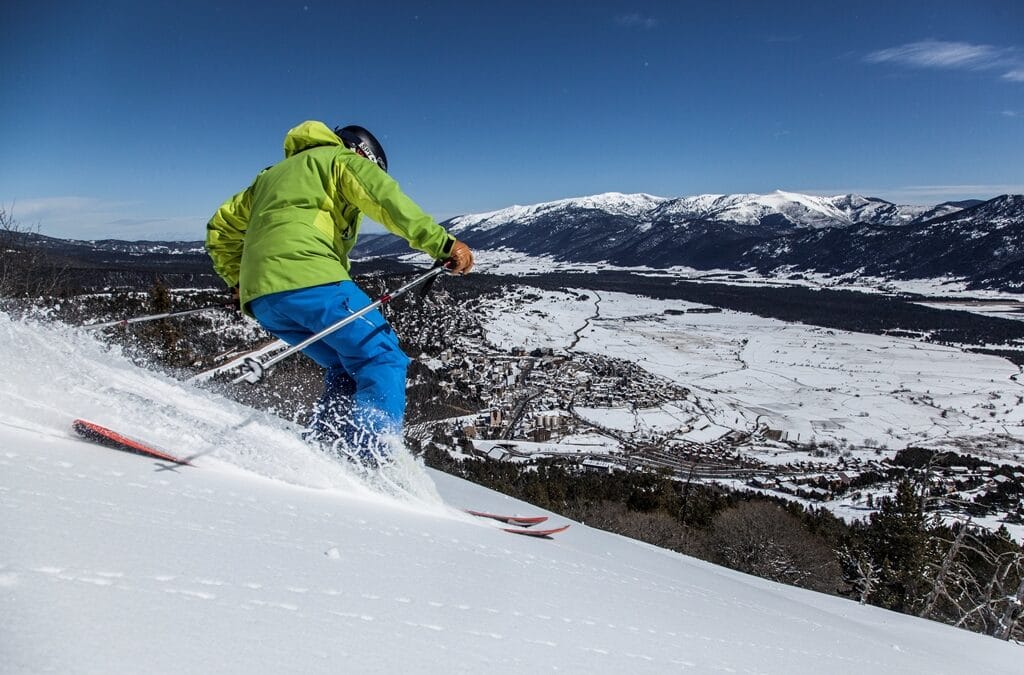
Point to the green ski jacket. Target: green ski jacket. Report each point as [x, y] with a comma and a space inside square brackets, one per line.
[296, 224]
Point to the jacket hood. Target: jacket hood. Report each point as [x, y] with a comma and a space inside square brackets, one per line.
[309, 134]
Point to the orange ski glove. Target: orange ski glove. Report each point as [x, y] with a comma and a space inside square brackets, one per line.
[461, 259]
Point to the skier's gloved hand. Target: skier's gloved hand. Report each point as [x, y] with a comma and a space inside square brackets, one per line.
[460, 261]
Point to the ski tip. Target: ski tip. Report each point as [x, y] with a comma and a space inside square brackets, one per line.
[538, 534]
[519, 521]
[100, 434]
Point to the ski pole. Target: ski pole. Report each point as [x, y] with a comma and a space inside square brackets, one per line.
[151, 317]
[255, 369]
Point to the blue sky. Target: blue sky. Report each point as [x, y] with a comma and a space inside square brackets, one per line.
[136, 119]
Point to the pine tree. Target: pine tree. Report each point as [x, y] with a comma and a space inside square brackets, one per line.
[897, 537]
[159, 297]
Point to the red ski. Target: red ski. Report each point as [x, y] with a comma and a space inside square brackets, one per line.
[541, 534]
[111, 439]
[521, 524]
[518, 521]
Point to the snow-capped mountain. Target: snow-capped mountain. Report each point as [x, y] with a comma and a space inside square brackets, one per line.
[789, 209]
[981, 242]
[266, 556]
[984, 244]
[778, 210]
[636, 207]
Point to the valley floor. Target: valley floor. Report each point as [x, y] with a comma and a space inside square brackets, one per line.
[779, 407]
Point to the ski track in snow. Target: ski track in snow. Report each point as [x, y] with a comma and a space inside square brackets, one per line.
[268, 557]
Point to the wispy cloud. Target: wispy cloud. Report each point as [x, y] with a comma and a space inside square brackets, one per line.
[934, 54]
[937, 54]
[1011, 113]
[30, 209]
[92, 218]
[934, 194]
[635, 20]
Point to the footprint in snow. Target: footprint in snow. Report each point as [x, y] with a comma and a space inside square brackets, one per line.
[191, 594]
[49, 570]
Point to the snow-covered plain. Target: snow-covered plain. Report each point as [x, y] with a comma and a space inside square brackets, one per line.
[515, 263]
[1003, 308]
[268, 557]
[811, 383]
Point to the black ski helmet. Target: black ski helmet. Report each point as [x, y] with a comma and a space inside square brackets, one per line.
[356, 137]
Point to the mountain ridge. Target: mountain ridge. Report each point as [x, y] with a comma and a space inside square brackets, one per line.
[796, 209]
[980, 242]
[780, 233]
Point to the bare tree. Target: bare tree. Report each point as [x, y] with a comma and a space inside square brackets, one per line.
[658, 528]
[978, 582]
[863, 573]
[765, 540]
[26, 271]
[939, 588]
[996, 601]
[1014, 609]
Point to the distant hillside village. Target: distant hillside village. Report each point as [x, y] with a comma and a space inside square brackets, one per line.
[525, 406]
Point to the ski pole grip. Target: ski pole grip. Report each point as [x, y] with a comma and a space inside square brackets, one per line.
[425, 289]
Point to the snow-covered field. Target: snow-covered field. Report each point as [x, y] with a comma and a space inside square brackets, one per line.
[514, 263]
[1002, 308]
[267, 557]
[810, 383]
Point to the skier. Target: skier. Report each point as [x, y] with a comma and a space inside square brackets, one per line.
[282, 245]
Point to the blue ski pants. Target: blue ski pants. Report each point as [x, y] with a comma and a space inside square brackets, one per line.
[364, 382]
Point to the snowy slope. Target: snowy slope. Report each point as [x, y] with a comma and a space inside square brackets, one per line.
[268, 558]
